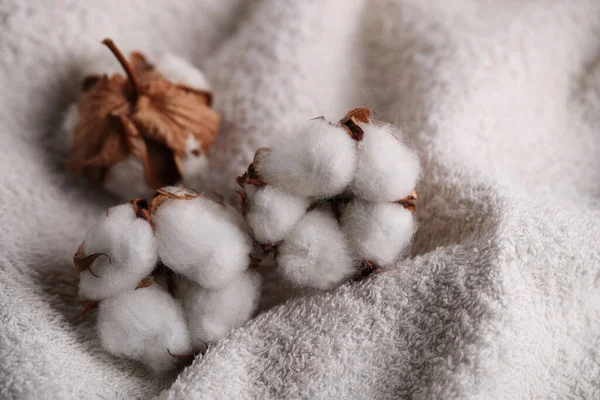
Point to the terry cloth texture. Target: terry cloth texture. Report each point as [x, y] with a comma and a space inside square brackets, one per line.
[501, 295]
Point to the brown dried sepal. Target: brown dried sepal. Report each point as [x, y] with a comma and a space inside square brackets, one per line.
[270, 247]
[163, 195]
[409, 201]
[353, 118]
[144, 283]
[83, 262]
[243, 198]
[89, 306]
[142, 114]
[141, 209]
[182, 357]
[254, 262]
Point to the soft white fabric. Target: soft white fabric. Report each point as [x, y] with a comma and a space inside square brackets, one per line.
[378, 232]
[212, 314]
[130, 248]
[314, 159]
[386, 170]
[146, 325]
[200, 240]
[273, 213]
[316, 253]
[501, 99]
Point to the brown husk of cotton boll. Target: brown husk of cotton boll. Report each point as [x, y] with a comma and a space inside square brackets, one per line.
[140, 114]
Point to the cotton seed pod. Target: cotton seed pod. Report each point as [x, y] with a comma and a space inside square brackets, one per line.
[139, 132]
[118, 252]
[387, 170]
[212, 313]
[273, 213]
[317, 160]
[378, 232]
[316, 253]
[146, 325]
[199, 238]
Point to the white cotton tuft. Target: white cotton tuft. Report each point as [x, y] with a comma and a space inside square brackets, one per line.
[127, 179]
[273, 213]
[386, 170]
[201, 240]
[378, 232]
[70, 120]
[195, 163]
[316, 160]
[179, 70]
[130, 254]
[316, 253]
[211, 314]
[145, 325]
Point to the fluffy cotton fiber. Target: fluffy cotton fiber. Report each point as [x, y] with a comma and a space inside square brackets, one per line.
[273, 213]
[178, 70]
[130, 248]
[146, 325]
[316, 160]
[316, 253]
[201, 240]
[386, 170]
[211, 314]
[378, 232]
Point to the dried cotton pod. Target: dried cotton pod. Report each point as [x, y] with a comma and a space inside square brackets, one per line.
[146, 325]
[142, 131]
[118, 252]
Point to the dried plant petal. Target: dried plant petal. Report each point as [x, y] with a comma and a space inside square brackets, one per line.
[351, 120]
[409, 201]
[83, 262]
[89, 306]
[180, 357]
[144, 283]
[142, 114]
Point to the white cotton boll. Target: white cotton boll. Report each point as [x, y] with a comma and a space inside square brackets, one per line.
[65, 133]
[145, 325]
[127, 179]
[316, 253]
[195, 163]
[386, 170]
[379, 232]
[100, 64]
[273, 213]
[211, 314]
[130, 248]
[316, 160]
[178, 70]
[201, 240]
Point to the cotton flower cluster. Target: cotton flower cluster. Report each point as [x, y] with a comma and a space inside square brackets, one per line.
[168, 278]
[333, 198]
[142, 167]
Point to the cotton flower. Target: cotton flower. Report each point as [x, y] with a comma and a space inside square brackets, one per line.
[317, 159]
[378, 232]
[212, 313]
[316, 253]
[149, 127]
[118, 252]
[387, 170]
[273, 213]
[199, 238]
[146, 325]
